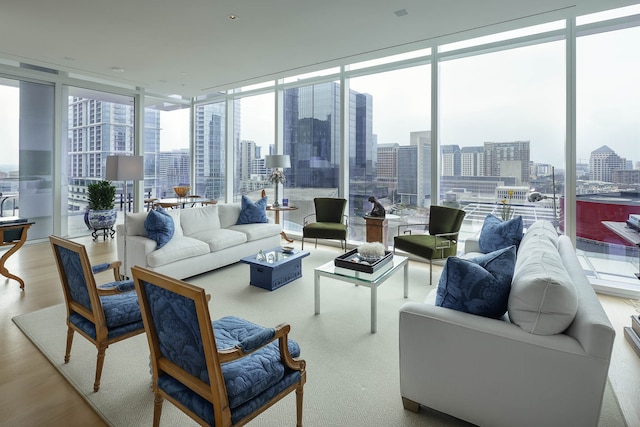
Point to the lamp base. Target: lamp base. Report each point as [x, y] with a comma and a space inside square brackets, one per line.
[275, 204]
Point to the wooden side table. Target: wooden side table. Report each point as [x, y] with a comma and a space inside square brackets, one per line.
[377, 229]
[13, 234]
[277, 210]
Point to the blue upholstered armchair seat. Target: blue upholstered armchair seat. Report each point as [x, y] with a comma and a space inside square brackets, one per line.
[251, 381]
[121, 313]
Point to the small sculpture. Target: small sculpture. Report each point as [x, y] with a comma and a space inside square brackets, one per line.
[378, 209]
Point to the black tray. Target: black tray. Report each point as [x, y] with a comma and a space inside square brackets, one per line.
[345, 261]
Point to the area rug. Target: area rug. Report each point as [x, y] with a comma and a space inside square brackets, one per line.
[352, 374]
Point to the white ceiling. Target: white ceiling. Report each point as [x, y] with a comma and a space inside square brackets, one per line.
[191, 47]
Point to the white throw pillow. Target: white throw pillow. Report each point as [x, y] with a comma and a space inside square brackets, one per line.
[543, 299]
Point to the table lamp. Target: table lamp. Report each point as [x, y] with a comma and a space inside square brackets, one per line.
[275, 162]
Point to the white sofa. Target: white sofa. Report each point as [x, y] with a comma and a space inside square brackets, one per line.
[205, 238]
[492, 372]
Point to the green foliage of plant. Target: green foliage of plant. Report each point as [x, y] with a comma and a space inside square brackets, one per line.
[101, 195]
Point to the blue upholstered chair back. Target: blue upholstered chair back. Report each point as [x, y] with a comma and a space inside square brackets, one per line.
[76, 282]
[176, 323]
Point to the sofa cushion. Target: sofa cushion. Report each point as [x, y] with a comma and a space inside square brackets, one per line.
[228, 213]
[196, 220]
[178, 248]
[257, 231]
[159, 226]
[221, 238]
[543, 299]
[498, 234]
[251, 212]
[541, 228]
[478, 285]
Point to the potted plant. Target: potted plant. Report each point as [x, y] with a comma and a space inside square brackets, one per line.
[101, 197]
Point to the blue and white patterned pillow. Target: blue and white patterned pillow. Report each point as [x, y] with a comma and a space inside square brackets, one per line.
[159, 226]
[479, 285]
[252, 213]
[498, 234]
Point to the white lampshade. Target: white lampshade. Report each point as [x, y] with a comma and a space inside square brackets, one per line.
[277, 161]
[124, 168]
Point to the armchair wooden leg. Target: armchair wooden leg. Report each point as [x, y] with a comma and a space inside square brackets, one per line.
[157, 409]
[67, 354]
[299, 395]
[100, 362]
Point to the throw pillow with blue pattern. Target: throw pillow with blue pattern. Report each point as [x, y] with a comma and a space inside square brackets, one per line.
[159, 226]
[498, 234]
[479, 285]
[252, 213]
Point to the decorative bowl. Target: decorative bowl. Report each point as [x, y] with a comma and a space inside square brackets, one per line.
[287, 249]
[182, 190]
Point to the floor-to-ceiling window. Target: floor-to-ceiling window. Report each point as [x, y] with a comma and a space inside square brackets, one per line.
[26, 168]
[210, 148]
[390, 146]
[253, 139]
[502, 129]
[607, 141]
[167, 154]
[311, 121]
[99, 124]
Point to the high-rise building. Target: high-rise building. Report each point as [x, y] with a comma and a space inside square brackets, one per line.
[414, 166]
[507, 159]
[450, 160]
[602, 163]
[472, 161]
[210, 150]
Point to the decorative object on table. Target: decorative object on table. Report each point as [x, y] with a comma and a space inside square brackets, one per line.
[125, 168]
[277, 176]
[371, 251]
[101, 196]
[377, 210]
[287, 249]
[181, 190]
[352, 260]
[285, 202]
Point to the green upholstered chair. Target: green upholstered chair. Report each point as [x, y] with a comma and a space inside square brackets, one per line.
[330, 221]
[441, 240]
[221, 373]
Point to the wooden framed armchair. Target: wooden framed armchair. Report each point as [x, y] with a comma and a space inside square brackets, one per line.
[330, 221]
[440, 242]
[220, 373]
[103, 314]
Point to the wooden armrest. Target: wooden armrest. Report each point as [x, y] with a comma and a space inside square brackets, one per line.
[281, 334]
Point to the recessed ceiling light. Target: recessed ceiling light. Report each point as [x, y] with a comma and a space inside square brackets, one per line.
[401, 12]
[69, 58]
[117, 69]
[233, 17]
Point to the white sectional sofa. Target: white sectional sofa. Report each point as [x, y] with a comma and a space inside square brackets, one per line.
[494, 372]
[205, 238]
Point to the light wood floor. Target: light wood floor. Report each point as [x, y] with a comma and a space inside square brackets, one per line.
[33, 393]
